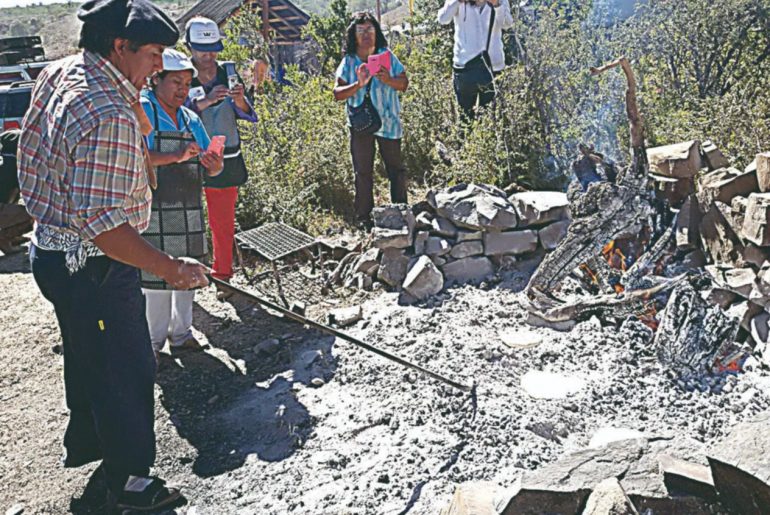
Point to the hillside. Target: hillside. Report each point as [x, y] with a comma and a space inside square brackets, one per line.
[58, 25]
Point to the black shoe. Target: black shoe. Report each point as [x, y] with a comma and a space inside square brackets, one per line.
[146, 494]
[365, 225]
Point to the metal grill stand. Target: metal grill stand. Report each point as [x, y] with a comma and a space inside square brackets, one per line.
[275, 241]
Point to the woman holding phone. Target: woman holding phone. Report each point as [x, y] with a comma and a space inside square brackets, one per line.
[355, 83]
[218, 96]
[176, 145]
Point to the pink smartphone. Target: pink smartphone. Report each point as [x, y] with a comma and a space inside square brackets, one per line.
[377, 61]
[217, 145]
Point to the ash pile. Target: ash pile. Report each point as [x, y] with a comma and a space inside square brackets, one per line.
[459, 235]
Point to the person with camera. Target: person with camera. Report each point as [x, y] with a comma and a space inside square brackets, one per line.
[373, 110]
[478, 49]
[218, 96]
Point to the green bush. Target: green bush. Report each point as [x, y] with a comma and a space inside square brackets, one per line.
[700, 73]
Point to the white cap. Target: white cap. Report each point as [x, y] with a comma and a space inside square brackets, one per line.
[176, 61]
[202, 34]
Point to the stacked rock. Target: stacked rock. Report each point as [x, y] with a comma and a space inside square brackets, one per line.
[462, 234]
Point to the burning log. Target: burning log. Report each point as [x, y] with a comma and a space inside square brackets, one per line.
[691, 333]
[606, 210]
[614, 306]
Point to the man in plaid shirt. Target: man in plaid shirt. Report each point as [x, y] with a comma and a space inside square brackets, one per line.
[85, 179]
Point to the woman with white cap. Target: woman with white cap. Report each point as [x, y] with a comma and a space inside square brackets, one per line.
[218, 95]
[176, 225]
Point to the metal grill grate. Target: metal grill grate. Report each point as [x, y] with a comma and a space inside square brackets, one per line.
[275, 240]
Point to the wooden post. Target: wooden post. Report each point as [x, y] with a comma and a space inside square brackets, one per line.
[266, 19]
[379, 11]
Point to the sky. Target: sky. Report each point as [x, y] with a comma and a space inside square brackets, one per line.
[23, 3]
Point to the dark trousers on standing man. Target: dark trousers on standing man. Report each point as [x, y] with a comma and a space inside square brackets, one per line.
[109, 366]
[362, 151]
[473, 84]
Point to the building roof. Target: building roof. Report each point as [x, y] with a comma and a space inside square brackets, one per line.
[286, 19]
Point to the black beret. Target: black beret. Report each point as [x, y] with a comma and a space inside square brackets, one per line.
[137, 20]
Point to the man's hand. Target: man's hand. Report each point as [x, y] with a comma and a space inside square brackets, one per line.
[190, 151]
[363, 75]
[186, 273]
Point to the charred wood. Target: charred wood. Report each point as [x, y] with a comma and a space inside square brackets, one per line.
[691, 332]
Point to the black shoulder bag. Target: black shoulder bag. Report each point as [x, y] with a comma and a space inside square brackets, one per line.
[365, 119]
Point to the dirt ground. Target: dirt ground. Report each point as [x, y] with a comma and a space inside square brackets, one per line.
[308, 424]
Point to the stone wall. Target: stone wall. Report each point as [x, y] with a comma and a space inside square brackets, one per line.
[458, 235]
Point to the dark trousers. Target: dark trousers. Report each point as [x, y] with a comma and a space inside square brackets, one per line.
[473, 84]
[109, 366]
[362, 151]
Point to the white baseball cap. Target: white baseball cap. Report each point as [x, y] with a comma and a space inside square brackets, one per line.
[202, 34]
[176, 61]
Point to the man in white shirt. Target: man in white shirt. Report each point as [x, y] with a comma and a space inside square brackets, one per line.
[478, 48]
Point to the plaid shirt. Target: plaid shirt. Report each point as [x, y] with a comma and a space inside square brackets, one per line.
[82, 168]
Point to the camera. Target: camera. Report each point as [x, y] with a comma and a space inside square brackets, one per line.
[232, 81]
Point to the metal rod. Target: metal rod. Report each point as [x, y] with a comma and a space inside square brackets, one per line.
[339, 334]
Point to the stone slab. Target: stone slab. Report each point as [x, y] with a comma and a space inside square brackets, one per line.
[393, 216]
[726, 183]
[740, 465]
[470, 269]
[609, 498]
[391, 238]
[423, 279]
[436, 246]
[551, 235]
[679, 160]
[442, 227]
[467, 249]
[393, 265]
[510, 242]
[475, 498]
[475, 206]
[763, 171]
[540, 207]
[713, 157]
[757, 220]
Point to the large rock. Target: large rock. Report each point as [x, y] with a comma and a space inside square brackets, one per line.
[510, 242]
[763, 171]
[475, 206]
[367, 262]
[713, 156]
[686, 230]
[563, 487]
[755, 225]
[391, 238]
[609, 498]
[672, 190]
[720, 241]
[680, 160]
[423, 279]
[540, 207]
[393, 216]
[440, 226]
[463, 235]
[550, 236]
[467, 249]
[470, 269]
[435, 246]
[476, 498]
[740, 465]
[736, 280]
[393, 266]
[725, 184]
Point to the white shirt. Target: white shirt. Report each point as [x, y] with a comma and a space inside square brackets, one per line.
[471, 28]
